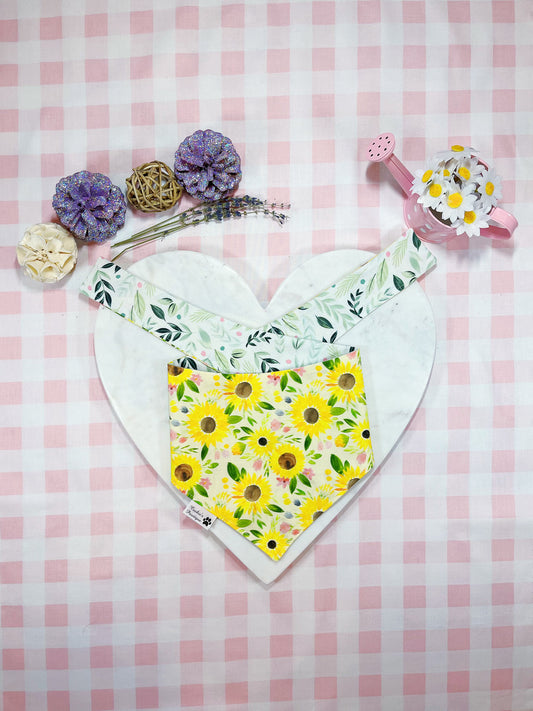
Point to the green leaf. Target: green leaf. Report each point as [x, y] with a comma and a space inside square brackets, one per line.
[243, 522]
[265, 405]
[304, 479]
[383, 273]
[283, 381]
[238, 513]
[190, 493]
[233, 471]
[233, 419]
[307, 442]
[398, 283]
[295, 376]
[204, 451]
[192, 385]
[275, 508]
[336, 464]
[332, 400]
[329, 364]
[416, 241]
[229, 409]
[322, 321]
[413, 261]
[138, 304]
[158, 312]
[200, 489]
[180, 391]
[292, 484]
[335, 411]
[172, 308]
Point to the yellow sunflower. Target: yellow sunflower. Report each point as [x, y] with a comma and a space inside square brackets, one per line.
[252, 494]
[347, 479]
[263, 441]
[311, 414]
[287, 460]
[273, 543]
[243, 390]
[186, 471]
[360, 434]
[345, 381]
[177, 374]
[207, 424]
[311, 509]
[222, 512]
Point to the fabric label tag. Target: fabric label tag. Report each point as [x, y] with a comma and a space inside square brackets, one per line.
[196, 513]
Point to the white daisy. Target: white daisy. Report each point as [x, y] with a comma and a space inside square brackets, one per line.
[458, 200]
[423, 178]
[490, 188]
[472, 222]
[457, 152]
[435, 193]
[468, 169]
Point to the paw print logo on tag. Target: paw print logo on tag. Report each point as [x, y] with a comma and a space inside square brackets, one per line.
[199, 515]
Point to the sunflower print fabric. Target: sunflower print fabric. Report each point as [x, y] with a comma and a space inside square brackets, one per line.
[268, 454]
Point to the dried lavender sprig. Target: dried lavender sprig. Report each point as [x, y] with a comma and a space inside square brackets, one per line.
[235, 207]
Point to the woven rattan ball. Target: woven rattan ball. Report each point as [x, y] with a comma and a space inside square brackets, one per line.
[152, 187]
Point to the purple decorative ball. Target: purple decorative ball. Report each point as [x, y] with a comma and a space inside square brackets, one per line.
[208, 166]
[90, 206]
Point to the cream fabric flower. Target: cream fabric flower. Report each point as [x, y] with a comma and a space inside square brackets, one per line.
[47, 252]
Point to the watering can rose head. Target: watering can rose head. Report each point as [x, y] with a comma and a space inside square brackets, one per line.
[458, 189]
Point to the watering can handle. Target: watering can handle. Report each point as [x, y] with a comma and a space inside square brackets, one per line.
[504, 224]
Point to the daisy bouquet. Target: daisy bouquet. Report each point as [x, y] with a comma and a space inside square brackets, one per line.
[458, 189]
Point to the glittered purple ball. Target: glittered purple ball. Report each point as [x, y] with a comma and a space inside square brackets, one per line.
[207, 165]
[90, 206]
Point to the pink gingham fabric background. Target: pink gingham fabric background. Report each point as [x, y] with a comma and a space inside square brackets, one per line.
[419, 597]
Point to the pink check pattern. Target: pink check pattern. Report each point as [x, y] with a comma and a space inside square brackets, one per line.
[419, 596]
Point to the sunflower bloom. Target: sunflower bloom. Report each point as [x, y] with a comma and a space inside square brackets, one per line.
[207, 424]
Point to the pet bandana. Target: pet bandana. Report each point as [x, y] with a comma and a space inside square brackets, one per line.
[266, 450]
[269, 453]
[311, 331]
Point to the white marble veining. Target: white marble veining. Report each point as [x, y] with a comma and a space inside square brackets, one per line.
[397, 344]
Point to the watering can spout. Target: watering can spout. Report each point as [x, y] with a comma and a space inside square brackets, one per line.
[381, 150]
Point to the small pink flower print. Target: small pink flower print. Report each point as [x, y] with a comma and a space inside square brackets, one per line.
[286, 429]
[258, 465]
[387, 254]
[288, 361]
[283, 481]
[171, 389]
[217, 454]
[274, 378]
[295, 531]
[183, 439]
[285, 527]
[320, 447]
[275, 425]
[139, 284]
[361, 458]
[239, 333]
[300, 371]
[89, 288]
[202, 353]
[352, 355]
[205, 482]
[173, 435]
[309, 473]
[196, 378]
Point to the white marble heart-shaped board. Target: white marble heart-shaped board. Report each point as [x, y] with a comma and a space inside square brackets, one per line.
[397, 344]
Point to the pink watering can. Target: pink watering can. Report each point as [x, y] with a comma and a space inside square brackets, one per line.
[422, 220]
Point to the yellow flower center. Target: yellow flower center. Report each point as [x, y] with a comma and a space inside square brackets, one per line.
[457, 148]
[455, 200]
[446, 173]
[435, 190]
[464, 173]
[489, 188]
[470, 216]
[427, 175]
